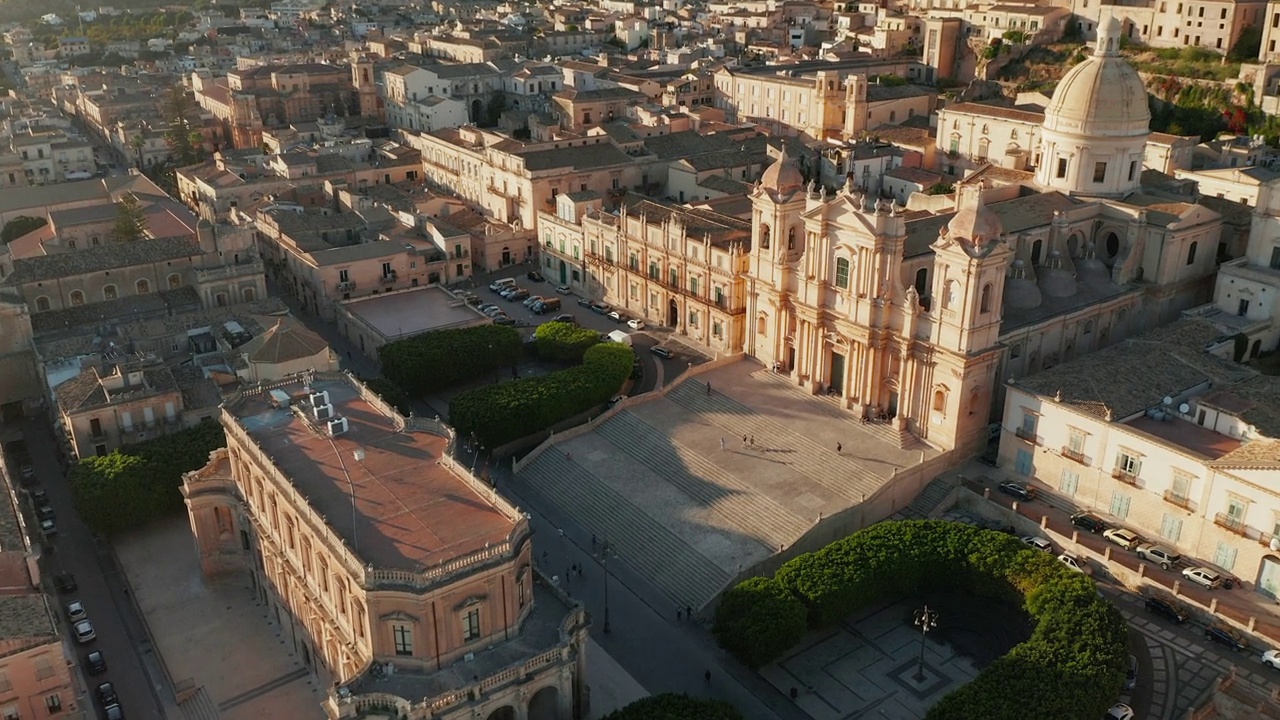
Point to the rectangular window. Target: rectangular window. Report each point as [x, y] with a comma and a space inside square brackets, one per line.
[471, 625]
[1133, 169]
[693, 285]
[1128, 464]
[693, 318]
[1236, 510]
[1062, 168]
[403, 635]
[634, 263]
[1119, 504]
[717, 329]
[1069, 483]
[343, 276]
[1225, 557]
[54, 703]
[1029, 423]
[1075, 441]
[1181, 488]
[1171, 528]
[653, 270]
[1099, 172]
[675, 277]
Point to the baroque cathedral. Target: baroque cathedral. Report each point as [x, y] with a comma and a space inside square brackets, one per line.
[921, 318]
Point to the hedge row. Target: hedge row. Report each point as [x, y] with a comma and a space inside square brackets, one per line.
[497, 414]
[675, 707]
[1071, 668]
[564, 341]
[435, 360]
[136, 484]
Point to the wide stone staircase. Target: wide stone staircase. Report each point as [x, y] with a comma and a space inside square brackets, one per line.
[837, 473]
[642, 542]
[197, 705]
[721, 492]
[829, 406]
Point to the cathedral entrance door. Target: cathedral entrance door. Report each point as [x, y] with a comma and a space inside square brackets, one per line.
[791, 358]
[893, 403]
[673, 313]
[836, 383]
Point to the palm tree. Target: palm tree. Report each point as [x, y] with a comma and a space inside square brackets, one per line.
[137, 142]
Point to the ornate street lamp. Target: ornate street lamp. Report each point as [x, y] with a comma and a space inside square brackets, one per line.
[926, 620]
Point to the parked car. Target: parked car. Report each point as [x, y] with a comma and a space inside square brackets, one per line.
[1038, 543]
[1203, 576]
[28, 472]
[503, 320]
[1018, 490]
[535, 276]
[565, 317]
[564, 290]
[1131, 677]
[95, 663]
[1162, 556]
[519, 294]
[662, 352]
[76, 611]
[599, 308]
[482, 307]
[635, 324]
[1126, 539]
[1086, 521]
[503, 284]
[1119, 711]
[1271, 659]
[64, 583]
[1167, 609]
[107, 693]
[1074, 563]
[532, 300]
[547, 304]
[616, 316]
[45, 512]
[113, 712]
[584, 302]
[1226, 636]
[494, 311]
[85, 632]
[48, 527]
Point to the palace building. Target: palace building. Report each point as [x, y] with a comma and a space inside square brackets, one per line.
[401, 580]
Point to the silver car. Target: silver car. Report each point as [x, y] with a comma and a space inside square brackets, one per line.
[1162, 556]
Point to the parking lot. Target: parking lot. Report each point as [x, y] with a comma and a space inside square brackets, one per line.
[656, 369]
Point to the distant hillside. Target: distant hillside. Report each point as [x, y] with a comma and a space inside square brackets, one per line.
[27, 11]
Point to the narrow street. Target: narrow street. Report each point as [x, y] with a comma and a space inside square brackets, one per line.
[132, 662]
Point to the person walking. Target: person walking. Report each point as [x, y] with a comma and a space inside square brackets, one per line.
[706, 677]
[708, 388]
[753, 441]
[688, 612]
[721, 443]
[839, 448]
[744, 442]
[678, 616]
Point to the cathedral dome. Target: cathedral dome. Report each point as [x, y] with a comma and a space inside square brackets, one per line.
[782, 178]
[1090, 270]
[1102, 96]
[1055, 280]
[1020, 292]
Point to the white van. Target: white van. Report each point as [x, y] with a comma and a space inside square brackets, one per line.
[619, 337]
[503, 284]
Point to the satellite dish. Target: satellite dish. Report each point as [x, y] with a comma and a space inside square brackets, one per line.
[1184, 408]
[1168, 400]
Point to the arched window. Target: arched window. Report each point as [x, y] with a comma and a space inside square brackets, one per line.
[764, 237]
[949, 301]
[248, 294]
[922, 282]
[77, 298]
[1015, 352]
[975, 401]
[762, 324]
[1036, 248]
[893, 116]
[1112, 245]
[1088, 327]
[220, 299]
[109, 292]
[94, 241]
[1191, 253]
[940, 400]
[791, 239]
[142, 286]
[842, 273]
[985, 304]
[175, 281]
[42, 303]
[1013, 134]
[985, 129]
[1122, 319]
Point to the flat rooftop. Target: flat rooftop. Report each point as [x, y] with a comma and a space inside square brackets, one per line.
[413, 312]
[1188, 436]
[398, 508]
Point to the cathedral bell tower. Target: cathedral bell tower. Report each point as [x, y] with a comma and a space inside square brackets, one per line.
[971, 258]
[777, 241]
